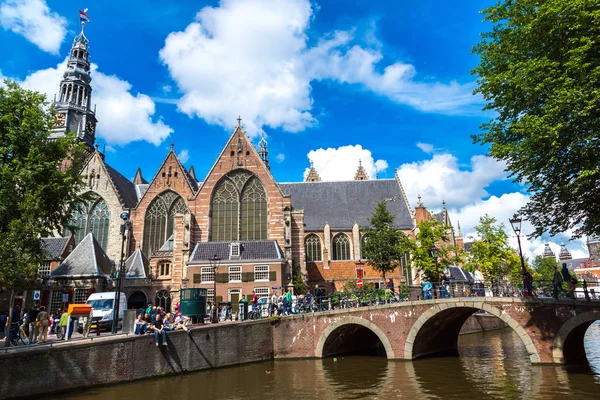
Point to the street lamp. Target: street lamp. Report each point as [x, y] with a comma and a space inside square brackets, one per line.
[515, 222]
[214, 263]
[184, 282]
[125, 226]
[435, 252]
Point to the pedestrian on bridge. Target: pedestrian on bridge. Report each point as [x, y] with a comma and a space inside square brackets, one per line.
[566, 275]
[557, 282]
[426, 288]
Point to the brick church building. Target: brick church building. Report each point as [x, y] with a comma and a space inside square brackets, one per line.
[258, 228]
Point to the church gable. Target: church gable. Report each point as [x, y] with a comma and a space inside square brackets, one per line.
[239, 157]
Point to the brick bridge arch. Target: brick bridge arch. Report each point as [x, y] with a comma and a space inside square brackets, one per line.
[568, 346]
[436, 331]
[551, 330]
[351, 320]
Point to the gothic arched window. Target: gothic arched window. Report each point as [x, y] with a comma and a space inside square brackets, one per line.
[159, 219]
[94, 217]
[363, 241]
[312, 248]
[341, 247]
[238, 208]
[163, 299]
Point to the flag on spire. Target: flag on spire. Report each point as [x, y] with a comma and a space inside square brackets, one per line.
[83, 16]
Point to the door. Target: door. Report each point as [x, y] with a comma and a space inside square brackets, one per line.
[234, 298]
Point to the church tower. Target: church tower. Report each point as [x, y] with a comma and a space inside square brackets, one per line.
[262, 150]
[313, 175]
[361, 174]
[564, 253]
[73, 104]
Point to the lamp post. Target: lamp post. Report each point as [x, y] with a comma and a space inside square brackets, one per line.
[435, 252]
[125, 226]
[214, 263]
[515, 222]
[184, 282]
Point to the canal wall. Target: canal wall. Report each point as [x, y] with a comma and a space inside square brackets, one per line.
[482, 323]
[42, 370]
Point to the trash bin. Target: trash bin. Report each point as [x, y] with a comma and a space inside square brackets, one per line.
[129, 321]
[243, 310]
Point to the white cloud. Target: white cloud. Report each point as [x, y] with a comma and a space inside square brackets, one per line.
[223, 66]
[441, 178]
[425, 147]
[183, 156]
[33, 20]
[280, 157]
[342, 163]
[123, 117]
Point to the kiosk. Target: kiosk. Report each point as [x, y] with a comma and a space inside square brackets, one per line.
[79, 310]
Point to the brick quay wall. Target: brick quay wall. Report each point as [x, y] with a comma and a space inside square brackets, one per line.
[42, 370]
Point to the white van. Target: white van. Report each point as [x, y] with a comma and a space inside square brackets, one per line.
[102, 309]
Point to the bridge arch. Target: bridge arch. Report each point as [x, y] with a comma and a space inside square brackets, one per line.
[328, 333]
[436, 331]
[568, 347]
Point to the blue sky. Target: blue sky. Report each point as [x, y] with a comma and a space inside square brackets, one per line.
[335, 81]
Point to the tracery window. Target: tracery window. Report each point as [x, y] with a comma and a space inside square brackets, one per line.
[239, 208]
[163, 299]
[341, 247]
[312, 248]
[94, 217]
[159, 220]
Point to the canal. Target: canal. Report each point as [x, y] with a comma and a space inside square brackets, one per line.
[491, 365]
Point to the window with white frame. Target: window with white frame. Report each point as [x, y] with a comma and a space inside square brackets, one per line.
[44, 269]
[210, 295]
[235, 274]
[207, 275]
[80, 296]
[379, 285]
[56, 301]
[261, 292]
[235, 250]
[261, 273]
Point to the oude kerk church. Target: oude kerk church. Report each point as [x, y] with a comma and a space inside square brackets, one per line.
[260, 229]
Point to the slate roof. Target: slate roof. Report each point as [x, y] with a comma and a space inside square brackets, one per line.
[87, 260]
[137, 265]
[53, 247]
[140, 190]
[468, 247]
[249, 250]
[168, 245]
[457, 274]
[125, 188]
[341, 204]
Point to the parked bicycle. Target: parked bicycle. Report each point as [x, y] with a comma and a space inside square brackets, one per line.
[18, 336]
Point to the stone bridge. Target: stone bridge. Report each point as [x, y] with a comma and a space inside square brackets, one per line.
[551, 330]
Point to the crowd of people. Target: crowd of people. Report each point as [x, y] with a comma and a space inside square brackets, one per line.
[154, 320]
[36, 323]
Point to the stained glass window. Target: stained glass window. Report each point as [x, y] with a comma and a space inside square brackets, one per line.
[94, 217]
[239, 208]
[312, 248]
[159, 220]
[341, 247]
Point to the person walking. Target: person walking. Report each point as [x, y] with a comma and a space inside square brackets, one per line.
[274, 303]
[479, 281]
[42, 325]
[566, 275]
[288, 298]
[426, 288]
[557, 281]
[62, 325]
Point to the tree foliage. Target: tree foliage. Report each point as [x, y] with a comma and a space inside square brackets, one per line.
[429, 233]
[542, 268]
[384, 243]
[492, 252]
[35, 193]
[539, 71]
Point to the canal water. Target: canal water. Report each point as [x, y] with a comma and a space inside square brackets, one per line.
[492, 365]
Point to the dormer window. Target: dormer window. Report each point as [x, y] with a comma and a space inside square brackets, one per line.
[234, 250]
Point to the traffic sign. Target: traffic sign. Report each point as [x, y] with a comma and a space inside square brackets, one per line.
[359, 283]
[65, 297]
[37, 295]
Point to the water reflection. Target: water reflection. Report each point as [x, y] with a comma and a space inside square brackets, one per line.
[492, 365]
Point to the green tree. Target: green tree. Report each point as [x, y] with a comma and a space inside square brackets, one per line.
[385, 244]
[300, 286]
[35, 193]
[492, 252]
[540, 75]
[542, 268]
[430, 233]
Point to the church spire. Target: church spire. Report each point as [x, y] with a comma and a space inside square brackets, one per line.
[73, 104]
[313, 175]
[361, 174]
[262, 150]
[548, 253]
[564, 253]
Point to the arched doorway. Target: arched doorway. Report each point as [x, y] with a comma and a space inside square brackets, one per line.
[137, 301]
[163, 299]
